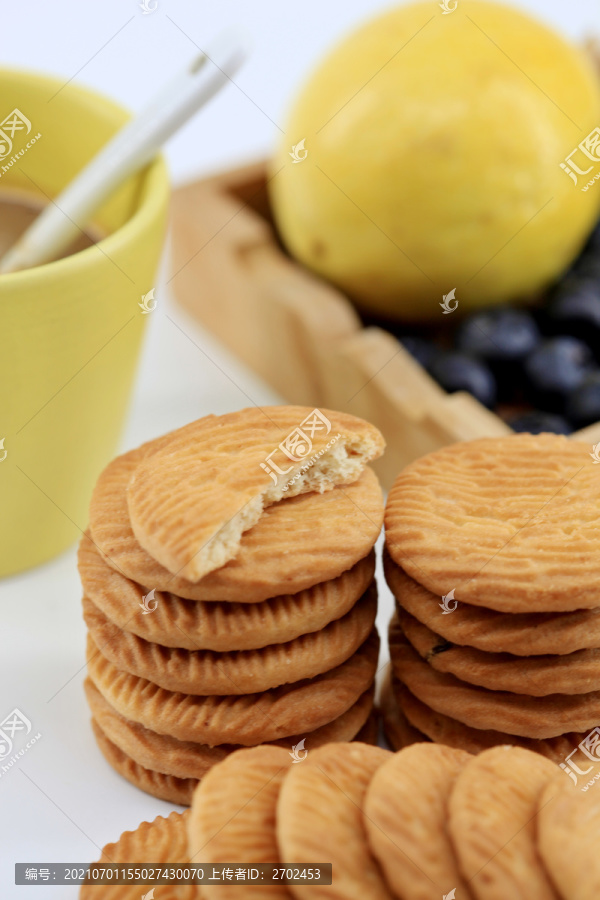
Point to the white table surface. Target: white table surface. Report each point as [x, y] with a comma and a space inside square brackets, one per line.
[62, 802]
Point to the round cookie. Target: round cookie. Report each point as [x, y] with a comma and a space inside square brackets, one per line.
[233, 817]
[444, 730]
[220, 626]
[162, 841]
[186, 759]
[320, 536]
[229, 474]
[406, 817]
[165, 787]
[242, 671]
[537, 676]
[568, 824]
[492, 812]
[247, 719]
[321, 803]
[522, 634]
[509, 523]
[535, 717]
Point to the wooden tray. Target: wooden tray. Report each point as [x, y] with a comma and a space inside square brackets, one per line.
[300, 333]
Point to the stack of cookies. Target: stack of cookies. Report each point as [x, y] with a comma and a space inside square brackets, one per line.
[428, 821]
[229, 593]
[492, 550]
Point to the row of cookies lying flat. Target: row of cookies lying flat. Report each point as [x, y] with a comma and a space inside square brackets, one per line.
[427, 821]
[229, 594]
[505, 533]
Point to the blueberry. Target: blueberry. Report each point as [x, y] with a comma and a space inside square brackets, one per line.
[502, 337]
[575, 309]
[459, 372]
[501, 333]
[537, 422]
[422, 350]
[583, 406]
[554, 370]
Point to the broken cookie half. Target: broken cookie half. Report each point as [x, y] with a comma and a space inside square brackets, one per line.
[191, 501]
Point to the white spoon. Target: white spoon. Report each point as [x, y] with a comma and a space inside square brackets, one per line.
[130, 149]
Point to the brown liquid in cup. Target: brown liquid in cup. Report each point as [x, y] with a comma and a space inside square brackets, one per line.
[17, 212]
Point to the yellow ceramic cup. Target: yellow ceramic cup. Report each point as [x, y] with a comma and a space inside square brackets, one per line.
[70, 330]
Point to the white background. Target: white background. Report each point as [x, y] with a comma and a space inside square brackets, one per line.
[63, 802]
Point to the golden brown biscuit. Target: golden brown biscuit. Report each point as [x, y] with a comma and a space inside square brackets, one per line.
[247, 719]
[406, 818]
[509, 523]
[444, 730]
[220, 626]
[162, 841]
[568, 824]
[319, 535]
[186, 759]
[523, 634]
[242, 671]
[320, 819]
[233, 817]
[492, 812]
[233, 466]
[535, 717]
[165, 787]
[537, 676]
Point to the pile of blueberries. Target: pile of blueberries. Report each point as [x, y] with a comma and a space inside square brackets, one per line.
[537, 368]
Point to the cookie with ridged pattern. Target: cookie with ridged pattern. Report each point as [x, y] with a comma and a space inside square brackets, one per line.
[186, 759]
[233, 817]
[522, 634]
[492, 822]
[218, 625]
[508, 523]
[444, 730]
[162, 841]
[537, 676]
[246, 719]
[165, 787]
[406, 818]
[520, 714]
[191, 501]
[568, 824]
[240, 671]
[321, 805]
[320, 536]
